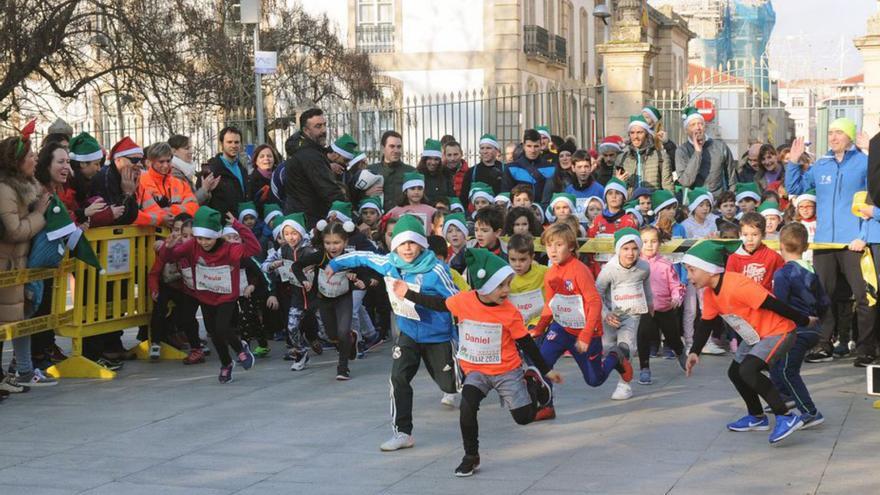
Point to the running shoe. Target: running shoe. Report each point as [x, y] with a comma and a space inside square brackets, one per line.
[343, 375]
[36, 378]
[820, 356]
[56, 355]
[750, 423]
[713, 349]
[11, 384]
[246, 357]
[543, 391]
[645, 376]
[226, 373]
[300, 360]
[624, 367]
[545, 413]
[261, 351]
[398, 441]
[110, 364]
[195, 356]
[155, 351]
[469, 465]
[811, 420]
[622, 392]
[448, 400]
[785, 426]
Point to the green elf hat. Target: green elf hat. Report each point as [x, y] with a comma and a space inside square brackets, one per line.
[371, 202]
[626, 235]
[768, 208]
[432, 149]
[615, 184]
[455, 204]
[481, 190]
[653, 113]
[711, 255]
[632, 207]
[245, 209]
[689, 115]
[639, 121]
[747, 190]
[296, 221]
[207, 223]
[810, 195]
[455, 219]
[270, 212]
[85, 148]
[345, 146]
[543, 130]
[845, 125]
[697, 196]
[661, 198]
[342, 210]
[413, 179]
[409, 228]
[58, 222]
[486, 271]
[491, 140]
[557, 198]
[359, 156]
[81, 249]
[503, 198]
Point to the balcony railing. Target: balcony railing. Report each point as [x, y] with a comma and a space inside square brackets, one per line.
[558, 50]
[375, 38]
[537, 41]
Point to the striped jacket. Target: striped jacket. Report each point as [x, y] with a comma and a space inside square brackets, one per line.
[163, 196]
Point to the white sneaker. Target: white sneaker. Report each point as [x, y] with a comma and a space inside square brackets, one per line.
[448, 400]
[622, 392]
[398, 441]
[301, 363]
[155, 351]
[713, 349]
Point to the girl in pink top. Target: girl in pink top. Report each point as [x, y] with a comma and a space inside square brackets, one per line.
[413, 201]
[668, 293]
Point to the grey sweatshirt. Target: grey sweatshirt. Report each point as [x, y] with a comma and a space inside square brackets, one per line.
[613, 276]
[714, 169]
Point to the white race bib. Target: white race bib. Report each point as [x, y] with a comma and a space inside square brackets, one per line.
[402, 307]
[568, 311]
[630, 299]
[186, 274]
[285, 271]
[530, 304]
[747, 332]
[581, 205]
[333, 286]
[479, 343]
[217, 279]
[242, 281]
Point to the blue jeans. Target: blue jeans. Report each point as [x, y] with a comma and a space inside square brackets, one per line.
[786, 371]
[593, 367]
[22, 348]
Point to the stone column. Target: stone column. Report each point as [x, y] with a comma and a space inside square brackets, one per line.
[869, 46]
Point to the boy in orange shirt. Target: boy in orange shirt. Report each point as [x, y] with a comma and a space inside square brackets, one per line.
[490, 330]
[765, 324]
[573, 313]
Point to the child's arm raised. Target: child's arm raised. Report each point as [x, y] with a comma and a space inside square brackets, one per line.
[360, 259]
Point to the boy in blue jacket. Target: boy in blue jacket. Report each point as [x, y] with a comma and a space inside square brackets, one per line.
[797, 285]
[425, 335]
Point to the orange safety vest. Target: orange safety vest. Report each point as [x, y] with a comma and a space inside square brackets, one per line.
[155, 190]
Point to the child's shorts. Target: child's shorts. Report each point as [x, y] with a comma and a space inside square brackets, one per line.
[511, 386]
[767, 349]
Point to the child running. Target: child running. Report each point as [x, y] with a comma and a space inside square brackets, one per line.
[765, 324]
[491, 330]
[212, 265]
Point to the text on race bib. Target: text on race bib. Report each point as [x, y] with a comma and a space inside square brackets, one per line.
[402, 307]
[630, 299]
[529, 304]
[479, 343]
[568, 311]
[216, 279]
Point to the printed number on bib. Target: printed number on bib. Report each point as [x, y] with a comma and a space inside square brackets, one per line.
[530, 304]
[217, 279]
[479, 343]
[333, 286]
[630, 299]
[402, 307]
[568, 311]
[747, 332]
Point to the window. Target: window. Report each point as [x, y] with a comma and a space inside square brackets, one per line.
[375, 12]
[797, 102]
[529, 17]
[839, 113]
[585, 48]
[375, 26]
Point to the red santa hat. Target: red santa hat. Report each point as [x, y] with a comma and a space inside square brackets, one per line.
[125, 147]
[611, 142]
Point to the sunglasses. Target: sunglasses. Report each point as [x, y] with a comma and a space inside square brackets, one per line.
[135, 159]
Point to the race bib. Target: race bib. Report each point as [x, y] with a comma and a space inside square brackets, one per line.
[333, 286]
[285, 271]
[242, 281]
[402, 307]
[581, 205]
[740, 326]
[529, 304]
[479, 343]
[186, 275]
[630, 299]
[216, 279]
[568, 311]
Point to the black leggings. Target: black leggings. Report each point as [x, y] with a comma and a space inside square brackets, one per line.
[471, 397]
[649, 330]
[336, 317]
[219, 322]
[751, 383]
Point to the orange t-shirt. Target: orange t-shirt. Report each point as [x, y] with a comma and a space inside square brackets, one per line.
[486, 334]
[573, 278]
[739, 304]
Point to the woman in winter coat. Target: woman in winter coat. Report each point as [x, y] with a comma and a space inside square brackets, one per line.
[642, 158]
[265, 159]
[22, 210]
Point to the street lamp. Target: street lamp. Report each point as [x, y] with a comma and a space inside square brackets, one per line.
[250, 14]
[601, 12]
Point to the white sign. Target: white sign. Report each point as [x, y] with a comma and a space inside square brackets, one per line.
[530, 304]
[265, 62]
[629, 298]
[568, 311]
[216, 279]
[402, 307]
[479, 343]
[118, 256]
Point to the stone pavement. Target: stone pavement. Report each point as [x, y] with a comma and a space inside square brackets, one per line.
[169, 429]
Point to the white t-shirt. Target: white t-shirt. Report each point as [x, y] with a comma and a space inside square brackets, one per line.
[695, 230]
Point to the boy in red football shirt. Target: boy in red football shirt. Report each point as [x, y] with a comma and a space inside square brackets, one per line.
[754, 259]
[490, 330]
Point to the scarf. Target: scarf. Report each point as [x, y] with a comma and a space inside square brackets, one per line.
[267, 174]
[188, 169]
[423, 264]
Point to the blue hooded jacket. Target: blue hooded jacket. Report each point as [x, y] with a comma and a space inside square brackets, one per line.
[523, 171]
[835, 183]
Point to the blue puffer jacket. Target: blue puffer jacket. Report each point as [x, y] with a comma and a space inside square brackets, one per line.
[536, 173]
[435, 326]
[835, 183]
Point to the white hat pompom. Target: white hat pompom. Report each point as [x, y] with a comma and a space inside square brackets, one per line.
[56, 209]
[348, 226]
[321, 225]
[481, 273]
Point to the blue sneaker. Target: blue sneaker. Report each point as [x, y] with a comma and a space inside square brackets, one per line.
[246, 357]
[811, 420]
[785, 426]
[668, 353]
[645, 376]
[750, 423]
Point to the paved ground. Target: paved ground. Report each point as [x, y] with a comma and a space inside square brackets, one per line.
[169, 429]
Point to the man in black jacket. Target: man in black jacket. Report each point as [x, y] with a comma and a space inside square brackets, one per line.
[232, 186]
[489, 171]
[310, 186]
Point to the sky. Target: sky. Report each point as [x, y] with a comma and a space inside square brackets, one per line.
[809, 34]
